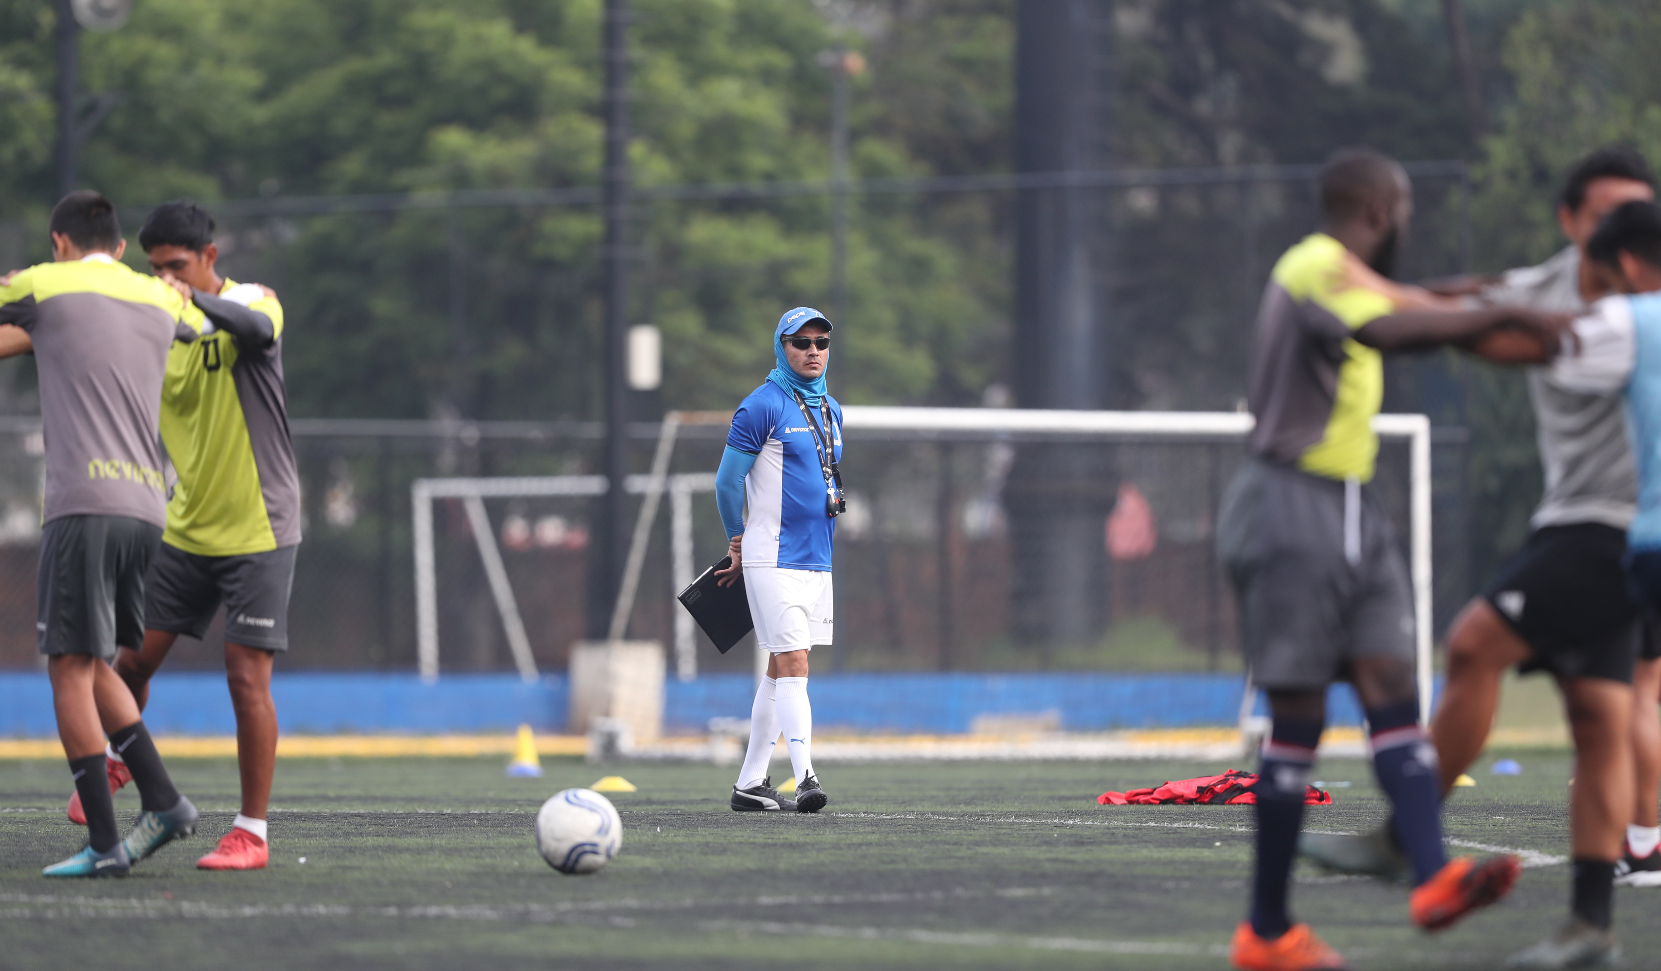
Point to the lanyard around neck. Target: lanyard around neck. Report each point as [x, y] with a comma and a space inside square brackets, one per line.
[834, 502]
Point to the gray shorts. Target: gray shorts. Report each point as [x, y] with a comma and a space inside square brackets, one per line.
[185, 591]
[1311, 598]
[89, 593]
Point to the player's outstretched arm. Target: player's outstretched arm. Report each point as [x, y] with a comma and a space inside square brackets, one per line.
[250, 327]
[1539, 335]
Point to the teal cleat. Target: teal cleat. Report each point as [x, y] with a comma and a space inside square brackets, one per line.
[155, 830]
[91, 863]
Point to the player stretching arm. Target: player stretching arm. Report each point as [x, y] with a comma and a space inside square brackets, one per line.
[1313, 556]
[100, 335]
[781, 456]
[233, 524]
[1560, 604]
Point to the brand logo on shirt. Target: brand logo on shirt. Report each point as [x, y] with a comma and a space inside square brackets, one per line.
[131, 471]
[248, 621]
[1510, 603]
[803, 429]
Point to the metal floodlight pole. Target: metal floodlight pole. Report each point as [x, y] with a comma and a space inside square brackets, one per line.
[613, 532]
[69, 50]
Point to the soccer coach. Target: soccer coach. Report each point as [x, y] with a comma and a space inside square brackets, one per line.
[781, 458]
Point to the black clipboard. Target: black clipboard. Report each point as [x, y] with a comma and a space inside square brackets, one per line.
[723, 612]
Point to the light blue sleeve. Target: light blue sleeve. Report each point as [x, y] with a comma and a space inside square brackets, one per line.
[729, 488]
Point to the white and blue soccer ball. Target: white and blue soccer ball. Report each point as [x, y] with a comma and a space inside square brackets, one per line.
[578, 831]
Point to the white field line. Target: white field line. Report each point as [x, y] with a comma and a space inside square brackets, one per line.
[1530, 858]
[52, 906]
[920, 936]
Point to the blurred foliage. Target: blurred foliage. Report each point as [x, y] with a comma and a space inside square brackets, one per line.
[493, 312]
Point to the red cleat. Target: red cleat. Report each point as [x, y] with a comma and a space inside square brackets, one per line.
[119, 776]
[237, 850]
[1296, 950]
[1462, 886]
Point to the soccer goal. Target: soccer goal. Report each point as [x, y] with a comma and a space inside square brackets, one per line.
[935, 567]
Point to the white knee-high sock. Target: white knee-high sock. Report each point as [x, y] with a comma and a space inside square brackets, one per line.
[796, 719]
[764, 734]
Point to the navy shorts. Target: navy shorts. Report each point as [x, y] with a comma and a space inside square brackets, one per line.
[1565, 595]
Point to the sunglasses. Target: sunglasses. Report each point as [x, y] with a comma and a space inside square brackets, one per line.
[803, 343]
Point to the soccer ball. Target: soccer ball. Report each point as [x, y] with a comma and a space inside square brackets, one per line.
[578, 831]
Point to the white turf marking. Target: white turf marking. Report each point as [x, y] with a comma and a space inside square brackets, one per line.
[54, 907]
[1530, 858]
[919, 936]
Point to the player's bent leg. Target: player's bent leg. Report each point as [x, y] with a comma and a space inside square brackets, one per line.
[1481, 646]
[135, 668]
[1640, 863]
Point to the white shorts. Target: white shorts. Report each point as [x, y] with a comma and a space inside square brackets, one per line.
[791, 608]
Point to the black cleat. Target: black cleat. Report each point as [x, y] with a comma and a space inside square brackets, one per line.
[1632, 871]
[809, 797]
[760, 799]
[1577, 945]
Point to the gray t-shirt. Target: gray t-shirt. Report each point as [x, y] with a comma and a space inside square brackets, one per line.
[101, 334]
[1584, 449]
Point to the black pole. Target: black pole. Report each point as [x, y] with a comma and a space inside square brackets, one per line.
[69, 48]
[613, 538]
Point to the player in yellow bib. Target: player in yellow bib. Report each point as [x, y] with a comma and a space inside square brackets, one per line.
[233, 520]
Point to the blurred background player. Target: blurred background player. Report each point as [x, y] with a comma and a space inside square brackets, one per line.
[781, 458]
[1313, 556]
[233, 523]
[1560, 604]
[100, 334]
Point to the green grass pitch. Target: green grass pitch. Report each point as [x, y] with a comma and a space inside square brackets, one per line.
[430, 863]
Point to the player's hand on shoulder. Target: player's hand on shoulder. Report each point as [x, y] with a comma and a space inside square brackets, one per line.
[179, 285]
[269, 293]
[6, 281]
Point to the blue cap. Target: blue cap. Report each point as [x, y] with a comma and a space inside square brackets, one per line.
[797, 318]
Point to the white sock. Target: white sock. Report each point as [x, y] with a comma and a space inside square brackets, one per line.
[1643, 839]
[764, 735]
[796, 719]
[110, 753]
[252, 825]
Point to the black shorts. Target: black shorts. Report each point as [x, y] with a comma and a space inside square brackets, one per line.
[1565, 594]
[185, 591]
[1314, 596]
[89, 593]
[1643, 582]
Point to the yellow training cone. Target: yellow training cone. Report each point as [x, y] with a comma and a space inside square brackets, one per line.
[614, 783]
[789, 785]
[525, 762]
[1463, 781]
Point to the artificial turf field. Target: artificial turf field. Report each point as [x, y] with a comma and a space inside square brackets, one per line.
[430, 863]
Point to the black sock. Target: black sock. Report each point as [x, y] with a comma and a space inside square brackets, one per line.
[1594, 892]
[1280, 794]
[155, 786]
[92, 781]
[1405, 764]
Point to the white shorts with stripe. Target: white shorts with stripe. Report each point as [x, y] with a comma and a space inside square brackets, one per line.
[792, 609]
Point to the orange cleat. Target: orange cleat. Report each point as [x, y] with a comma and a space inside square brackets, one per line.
[1296, 950]
[119, 776]
[237, 850]
[1461, 887]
